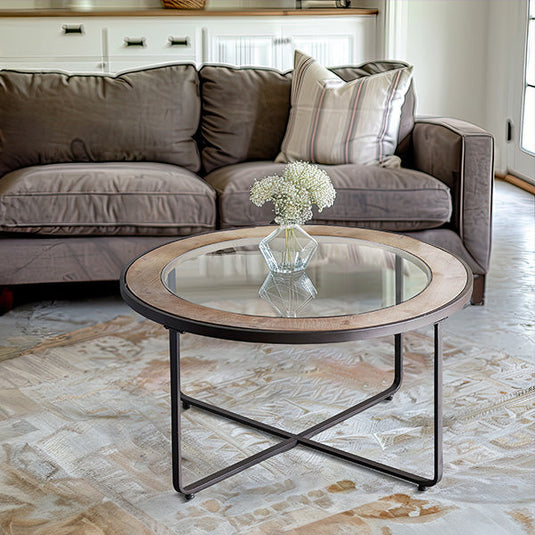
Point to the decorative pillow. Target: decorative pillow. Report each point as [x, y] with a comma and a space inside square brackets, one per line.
[333, 122]
[144, 115]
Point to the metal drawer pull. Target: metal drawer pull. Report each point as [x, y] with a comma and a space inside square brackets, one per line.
[70, 29]
[135, 42]
[178, 41]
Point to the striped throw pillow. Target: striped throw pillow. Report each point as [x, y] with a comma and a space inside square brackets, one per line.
[337, 122]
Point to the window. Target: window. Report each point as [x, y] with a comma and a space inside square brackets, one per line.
[528, 111]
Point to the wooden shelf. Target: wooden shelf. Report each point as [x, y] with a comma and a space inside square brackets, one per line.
[187, 13]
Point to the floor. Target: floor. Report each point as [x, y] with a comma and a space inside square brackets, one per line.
[506, 321]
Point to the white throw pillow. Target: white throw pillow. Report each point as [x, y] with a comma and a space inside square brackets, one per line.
[337, 122]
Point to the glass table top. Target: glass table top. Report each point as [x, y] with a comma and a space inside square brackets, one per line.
[346, 276]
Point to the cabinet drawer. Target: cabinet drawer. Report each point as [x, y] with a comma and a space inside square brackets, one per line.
[162, 39]
[118, 65]
[72, 65]
[50, 38]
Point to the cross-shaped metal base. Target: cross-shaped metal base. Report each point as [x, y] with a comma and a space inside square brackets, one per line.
[180, 401]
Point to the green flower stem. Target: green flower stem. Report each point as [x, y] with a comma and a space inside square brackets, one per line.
[289, 245]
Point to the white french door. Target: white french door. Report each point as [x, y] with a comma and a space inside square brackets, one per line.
[521, 149]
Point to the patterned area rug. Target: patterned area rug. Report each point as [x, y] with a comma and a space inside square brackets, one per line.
[84, 426]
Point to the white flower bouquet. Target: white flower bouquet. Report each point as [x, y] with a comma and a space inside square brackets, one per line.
[301, 185]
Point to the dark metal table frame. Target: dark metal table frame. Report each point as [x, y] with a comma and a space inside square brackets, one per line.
[180, 401]
[143, 290]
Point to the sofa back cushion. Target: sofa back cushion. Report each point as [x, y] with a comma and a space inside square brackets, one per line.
[244, 114]
[145, 115]
[245, 110]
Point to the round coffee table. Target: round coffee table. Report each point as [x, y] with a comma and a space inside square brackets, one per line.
[359, 284]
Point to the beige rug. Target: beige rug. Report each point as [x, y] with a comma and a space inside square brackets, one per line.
[85, 450]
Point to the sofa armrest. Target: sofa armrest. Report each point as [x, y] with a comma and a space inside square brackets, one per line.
[461, 155]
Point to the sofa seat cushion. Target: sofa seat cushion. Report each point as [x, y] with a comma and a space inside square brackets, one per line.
[366, 196]
[95, 199]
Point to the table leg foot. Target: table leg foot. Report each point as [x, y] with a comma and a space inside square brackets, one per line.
[185, 405]
[389, 398]
[189, 497]
[422, 488]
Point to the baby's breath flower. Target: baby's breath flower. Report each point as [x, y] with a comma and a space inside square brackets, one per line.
[301, 185]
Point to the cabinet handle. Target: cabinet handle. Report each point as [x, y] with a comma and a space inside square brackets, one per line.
[284, 41]
[142, 42]
[178, 41]
[70, 29]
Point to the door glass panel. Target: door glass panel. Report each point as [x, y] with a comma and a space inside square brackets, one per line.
[530, 65]
[528, 115]
[528, 127]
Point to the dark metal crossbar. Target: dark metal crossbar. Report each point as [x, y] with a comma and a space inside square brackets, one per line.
[180, 401]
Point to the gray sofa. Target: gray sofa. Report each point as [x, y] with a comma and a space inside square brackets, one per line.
[94, 170]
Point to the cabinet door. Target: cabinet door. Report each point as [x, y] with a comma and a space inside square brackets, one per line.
[249, 42]
[333, 41]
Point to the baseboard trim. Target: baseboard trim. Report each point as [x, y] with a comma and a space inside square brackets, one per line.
[518, 182]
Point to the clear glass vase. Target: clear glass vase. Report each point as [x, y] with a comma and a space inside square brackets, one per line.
[288, 249]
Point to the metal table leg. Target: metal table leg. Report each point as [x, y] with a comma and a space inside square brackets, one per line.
[290, 440]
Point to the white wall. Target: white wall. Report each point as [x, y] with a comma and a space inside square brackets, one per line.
[502, 24]
[447, 44]
[461, 54]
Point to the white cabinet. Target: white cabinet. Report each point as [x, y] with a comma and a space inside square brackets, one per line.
[112, 44]
[271, 43]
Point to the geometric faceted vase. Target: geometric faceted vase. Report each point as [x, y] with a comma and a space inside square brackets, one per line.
[288, 249]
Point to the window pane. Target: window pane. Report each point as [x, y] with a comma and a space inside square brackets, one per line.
[528, 123]
[530, 65]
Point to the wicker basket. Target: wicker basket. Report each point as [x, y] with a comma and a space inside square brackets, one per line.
[184, 4]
